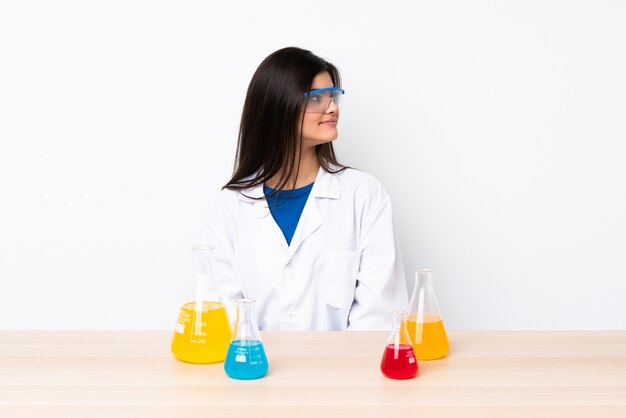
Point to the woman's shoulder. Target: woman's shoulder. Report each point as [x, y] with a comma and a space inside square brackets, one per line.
[360, 182]
[358, 177]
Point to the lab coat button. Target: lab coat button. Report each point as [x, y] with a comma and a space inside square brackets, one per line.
[289, 265]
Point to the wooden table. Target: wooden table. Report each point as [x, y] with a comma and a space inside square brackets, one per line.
[317, 374]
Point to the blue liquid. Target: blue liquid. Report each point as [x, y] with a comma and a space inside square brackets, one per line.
[246, 360]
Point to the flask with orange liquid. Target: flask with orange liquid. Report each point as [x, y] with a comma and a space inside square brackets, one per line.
[424, 322]
[202, 332]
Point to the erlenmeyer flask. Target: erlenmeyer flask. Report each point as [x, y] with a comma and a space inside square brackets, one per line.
[398, 358]
[202, 331]
[246, 357]
[424, 322]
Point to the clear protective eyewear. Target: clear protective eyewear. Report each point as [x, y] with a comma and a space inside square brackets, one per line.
[318, 101]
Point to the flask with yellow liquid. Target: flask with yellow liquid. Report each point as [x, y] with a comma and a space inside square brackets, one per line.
[202, 333]
[424, 322]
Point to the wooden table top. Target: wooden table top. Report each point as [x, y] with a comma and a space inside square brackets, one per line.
[319, 374]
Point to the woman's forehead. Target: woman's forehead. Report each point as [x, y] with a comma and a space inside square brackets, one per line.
[322, 80]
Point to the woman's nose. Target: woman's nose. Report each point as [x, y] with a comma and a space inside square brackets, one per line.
[332, 107]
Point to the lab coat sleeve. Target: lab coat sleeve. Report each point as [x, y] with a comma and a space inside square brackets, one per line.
[381, 281]
[219, 230]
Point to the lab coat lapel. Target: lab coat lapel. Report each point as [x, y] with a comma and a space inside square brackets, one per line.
[267, 225]
[326, 186]
[310, 220]
[265, 222]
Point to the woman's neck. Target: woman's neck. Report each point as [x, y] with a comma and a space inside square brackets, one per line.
[306, 174]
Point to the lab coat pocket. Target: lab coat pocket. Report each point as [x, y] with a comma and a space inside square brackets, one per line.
[340, 273]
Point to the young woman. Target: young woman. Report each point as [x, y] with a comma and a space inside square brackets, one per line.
[310, 239]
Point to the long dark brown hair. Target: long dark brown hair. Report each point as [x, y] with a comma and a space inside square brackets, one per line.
[271, 116]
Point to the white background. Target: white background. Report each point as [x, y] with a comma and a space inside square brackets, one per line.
[498, 128]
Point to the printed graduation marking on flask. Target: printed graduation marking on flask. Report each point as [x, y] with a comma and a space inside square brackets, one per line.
[210, 345]
[240, 359]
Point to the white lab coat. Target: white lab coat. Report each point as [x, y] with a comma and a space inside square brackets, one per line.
[343, 269]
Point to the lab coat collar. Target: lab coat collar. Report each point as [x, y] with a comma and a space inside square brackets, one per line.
[326, 186]
[253, 194]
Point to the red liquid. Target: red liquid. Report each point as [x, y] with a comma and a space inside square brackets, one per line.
[400, 363]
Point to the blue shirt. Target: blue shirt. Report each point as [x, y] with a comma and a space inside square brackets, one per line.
[286, 207]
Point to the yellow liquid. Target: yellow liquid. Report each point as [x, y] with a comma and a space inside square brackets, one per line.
[429, 338]
[202, 336]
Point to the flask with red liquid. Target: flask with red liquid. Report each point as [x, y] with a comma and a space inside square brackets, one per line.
[399, 361]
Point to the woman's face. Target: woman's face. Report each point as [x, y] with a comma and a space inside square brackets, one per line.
[320, 128]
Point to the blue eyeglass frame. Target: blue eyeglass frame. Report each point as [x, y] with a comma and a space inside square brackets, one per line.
[325, 89]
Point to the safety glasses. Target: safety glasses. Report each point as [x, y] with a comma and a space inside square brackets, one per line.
[318, 101]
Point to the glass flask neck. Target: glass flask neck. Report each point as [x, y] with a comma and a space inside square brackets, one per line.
[246, 327]
[399, 334]
[200, 259]
[423, 305]
[424, 278]
[203, 287]
[396, 319]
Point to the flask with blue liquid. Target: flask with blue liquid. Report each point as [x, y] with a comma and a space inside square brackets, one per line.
[246, 356]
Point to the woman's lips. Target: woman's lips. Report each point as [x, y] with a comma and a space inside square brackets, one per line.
[329, 122]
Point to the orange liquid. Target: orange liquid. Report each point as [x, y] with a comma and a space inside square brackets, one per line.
[202, 336]
[429, 338]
